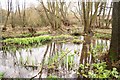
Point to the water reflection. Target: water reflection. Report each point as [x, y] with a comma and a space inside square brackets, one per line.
[59, 59]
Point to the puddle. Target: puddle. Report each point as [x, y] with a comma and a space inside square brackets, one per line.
[26, 63]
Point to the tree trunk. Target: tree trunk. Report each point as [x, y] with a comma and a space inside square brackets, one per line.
[114, 52]
[8, 13]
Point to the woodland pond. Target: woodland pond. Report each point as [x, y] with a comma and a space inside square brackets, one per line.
[59, 39]
[52, 59]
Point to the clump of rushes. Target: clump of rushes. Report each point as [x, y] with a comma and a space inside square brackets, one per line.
[103, 36]
[27, 41]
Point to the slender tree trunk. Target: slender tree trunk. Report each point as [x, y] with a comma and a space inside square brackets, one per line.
[100, 14]
[1, 14]
[108, 17]
[8, 13]
[84, 17]
[24, 14]
[12, 18]
[18, 7]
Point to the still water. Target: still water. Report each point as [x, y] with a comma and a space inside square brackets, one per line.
[64, 57]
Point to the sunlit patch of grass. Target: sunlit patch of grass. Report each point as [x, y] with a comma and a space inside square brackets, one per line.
[13, 44]
[102, 35]
[31, 40]
[52, 77]
[27, 41]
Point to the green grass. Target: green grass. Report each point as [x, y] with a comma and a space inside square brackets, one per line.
[31, 40]
[27, 41]
[16, 43]
[13, 44]
[102, 35]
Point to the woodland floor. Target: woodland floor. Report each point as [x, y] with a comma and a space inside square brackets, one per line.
[10, 32]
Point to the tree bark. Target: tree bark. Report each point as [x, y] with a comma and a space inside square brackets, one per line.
[114, 52]
[8, 13]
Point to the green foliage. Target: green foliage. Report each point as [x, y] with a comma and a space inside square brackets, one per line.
[103, 36]
[61, 57]
[27, 41]
[31, 40]
[77, 41]
[97, 51]
[1, 75]
[53, 77]
[98, 70]
[13, 44]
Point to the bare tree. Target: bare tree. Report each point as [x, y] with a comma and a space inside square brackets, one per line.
[12, 13]
[103, 15]
[24, 14]
[108, 19]
[56, 13]
[18, 7]
[1, 13]
[88, 15]
[99, 14]
[8, 13]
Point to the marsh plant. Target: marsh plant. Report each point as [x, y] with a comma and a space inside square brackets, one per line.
[97, 50]
[103, 36]
[1, 75]
[27, 41]
[97, 70]
[62, 58]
